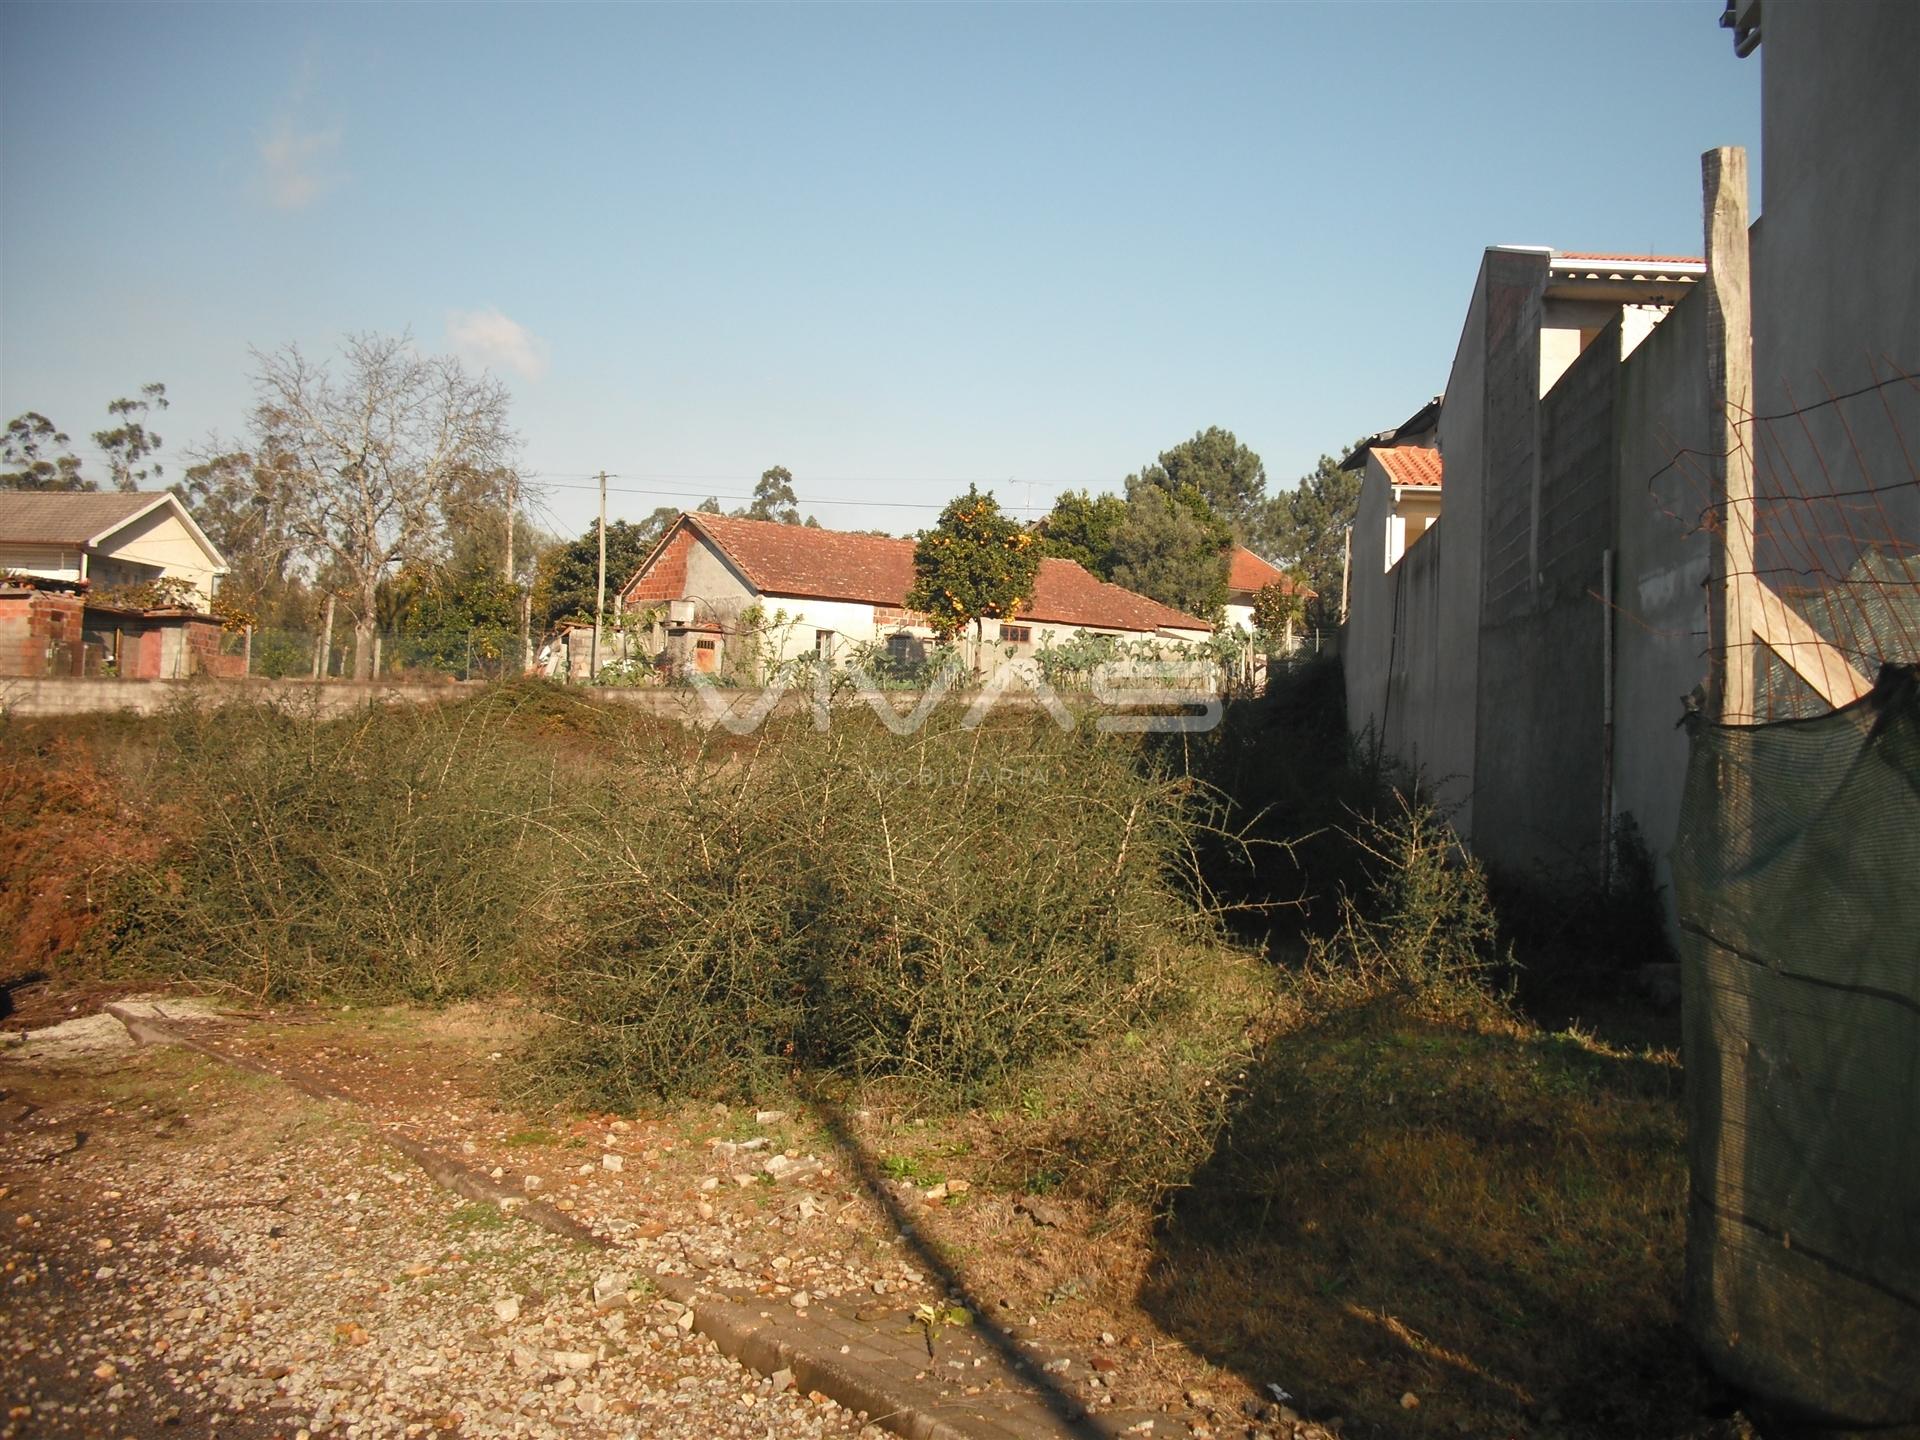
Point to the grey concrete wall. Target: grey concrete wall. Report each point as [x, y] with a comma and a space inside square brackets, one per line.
[1538, 803]
[1836, 285]
[1366, 640]
[1415, 646]
[1660, 570]
[55, 697]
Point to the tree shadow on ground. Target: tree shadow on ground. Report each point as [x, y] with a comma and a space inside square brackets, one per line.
[1477, 1215]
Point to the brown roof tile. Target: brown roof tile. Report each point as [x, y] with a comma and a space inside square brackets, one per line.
[1410, 465]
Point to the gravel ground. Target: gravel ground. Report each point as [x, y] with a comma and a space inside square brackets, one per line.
[188, 1249]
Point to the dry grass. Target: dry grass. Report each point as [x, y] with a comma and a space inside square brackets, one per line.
[1485, 1215]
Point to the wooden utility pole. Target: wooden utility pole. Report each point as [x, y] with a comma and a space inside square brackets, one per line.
[600, 598]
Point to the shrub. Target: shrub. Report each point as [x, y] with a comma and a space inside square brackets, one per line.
[1423, 929]
[397, 853]
[949, 908]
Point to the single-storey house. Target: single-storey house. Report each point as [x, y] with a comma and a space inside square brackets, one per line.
[103, 540]
[826, 592]
[1247, 575]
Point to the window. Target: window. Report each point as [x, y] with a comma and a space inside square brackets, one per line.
[1019, 634]
[703, 644]
[823, 644]
[902, 647]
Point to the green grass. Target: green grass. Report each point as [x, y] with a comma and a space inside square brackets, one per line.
[476, 1217]
[519, 1139]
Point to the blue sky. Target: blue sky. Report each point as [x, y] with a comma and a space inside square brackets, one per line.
[894, 248]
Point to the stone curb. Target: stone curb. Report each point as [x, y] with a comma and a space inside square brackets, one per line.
[737, 1332]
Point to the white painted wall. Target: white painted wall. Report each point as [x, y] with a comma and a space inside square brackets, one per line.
[159, 544]
[49, 562]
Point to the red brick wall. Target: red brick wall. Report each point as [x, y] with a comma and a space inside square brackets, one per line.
[203, 641]
[666, 578]
[40, 634]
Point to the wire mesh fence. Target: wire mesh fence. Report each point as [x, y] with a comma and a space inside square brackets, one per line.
[476, 653]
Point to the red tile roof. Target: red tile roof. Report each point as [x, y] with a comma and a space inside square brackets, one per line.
[1410, 465]
[1065, 594]
[815, 564]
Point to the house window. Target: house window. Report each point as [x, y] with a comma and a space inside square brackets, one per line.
[1019, 634]
[703, 644]
[823, 644]
[904, 648]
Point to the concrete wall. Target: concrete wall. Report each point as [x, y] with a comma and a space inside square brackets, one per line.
[1486, 438]
[1379, 527]
[22, 697]
[1414, 650]
[1660, 569]
[1538, 803]
[1836, 286]
[1364, 638]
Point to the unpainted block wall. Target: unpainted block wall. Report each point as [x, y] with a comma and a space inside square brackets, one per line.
[1660, 623]
[40, 634]
[1540, 738]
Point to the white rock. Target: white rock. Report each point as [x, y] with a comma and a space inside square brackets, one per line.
[768, 1117]
[610, 1288]
[508, 1309]
[613, 1163]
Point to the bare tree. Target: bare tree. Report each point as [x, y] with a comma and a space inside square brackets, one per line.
[377, 456]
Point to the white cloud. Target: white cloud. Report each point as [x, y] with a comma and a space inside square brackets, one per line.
[489, 338]
[298, 164]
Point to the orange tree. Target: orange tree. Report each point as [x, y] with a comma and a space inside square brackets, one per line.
[976, 564]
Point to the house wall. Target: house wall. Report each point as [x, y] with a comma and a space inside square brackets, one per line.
[1835, 287]
[1538, 803]
[721, 592]
[1662, 557]
[850, 621]
[157, 545]
[50, 562]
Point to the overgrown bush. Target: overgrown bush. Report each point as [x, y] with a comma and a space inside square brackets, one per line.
[395, 853]
[1423, 929]
[949, 907]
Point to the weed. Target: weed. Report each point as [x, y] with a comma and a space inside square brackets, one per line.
[476, 1216]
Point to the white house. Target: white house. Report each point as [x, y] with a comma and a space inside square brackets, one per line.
[1247, 575]
[831, 590]
[106, 539]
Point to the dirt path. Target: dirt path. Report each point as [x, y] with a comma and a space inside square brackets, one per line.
[188, 1250]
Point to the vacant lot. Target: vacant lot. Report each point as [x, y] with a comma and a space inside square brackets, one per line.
[1270, 1154]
